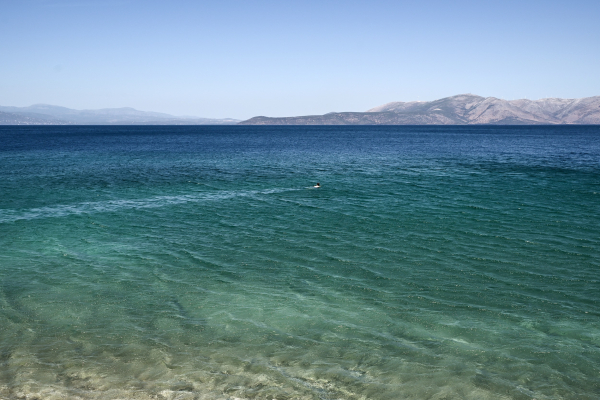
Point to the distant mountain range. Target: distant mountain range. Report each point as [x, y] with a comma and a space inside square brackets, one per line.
[44, 114]
[464, 109]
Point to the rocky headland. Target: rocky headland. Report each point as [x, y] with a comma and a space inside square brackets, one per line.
[464, 109]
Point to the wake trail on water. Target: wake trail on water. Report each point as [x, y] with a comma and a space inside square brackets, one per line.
[93, 207]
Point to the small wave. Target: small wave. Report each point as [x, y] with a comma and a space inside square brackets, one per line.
[92, 207]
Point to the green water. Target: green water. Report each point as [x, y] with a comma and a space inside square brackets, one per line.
[199, 263]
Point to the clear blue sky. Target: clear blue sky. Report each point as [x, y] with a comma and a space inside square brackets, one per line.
[239, 59]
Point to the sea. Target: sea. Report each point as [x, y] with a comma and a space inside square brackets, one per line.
[200, 262]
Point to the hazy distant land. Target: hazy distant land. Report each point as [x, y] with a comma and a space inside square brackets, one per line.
[44, 114]
[464, 109]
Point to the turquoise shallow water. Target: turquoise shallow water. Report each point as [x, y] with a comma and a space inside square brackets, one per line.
[198, 262]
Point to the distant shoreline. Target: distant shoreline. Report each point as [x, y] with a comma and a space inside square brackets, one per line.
[460, 110]
[464, 109]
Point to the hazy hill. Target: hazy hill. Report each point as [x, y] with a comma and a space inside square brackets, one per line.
[464, 109]
[55, 115]
[28, 119]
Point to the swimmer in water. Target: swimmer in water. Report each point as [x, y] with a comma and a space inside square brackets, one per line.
[317, 185]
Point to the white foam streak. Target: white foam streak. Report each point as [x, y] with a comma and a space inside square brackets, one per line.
[65, 210]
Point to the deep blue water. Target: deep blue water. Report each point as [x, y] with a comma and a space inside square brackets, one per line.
[199, 262]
